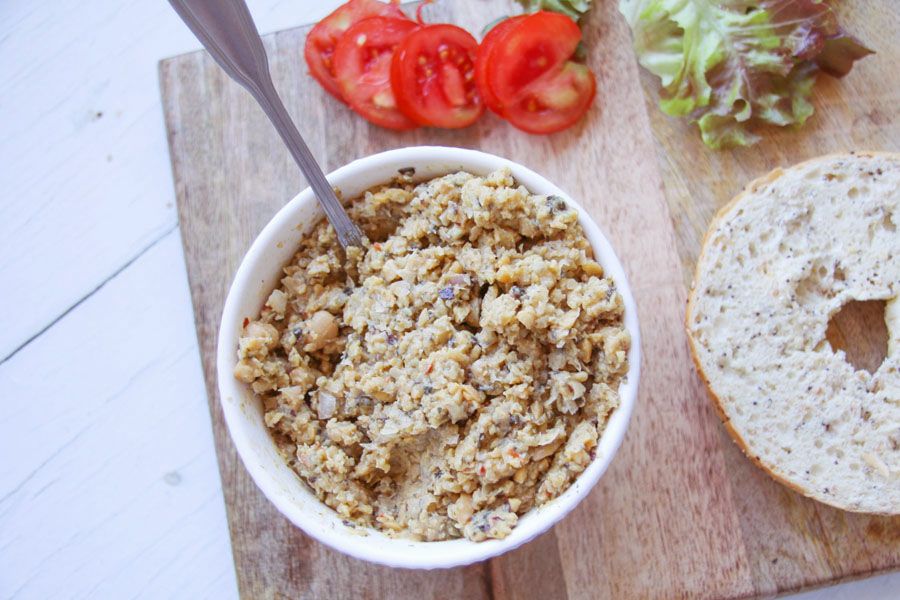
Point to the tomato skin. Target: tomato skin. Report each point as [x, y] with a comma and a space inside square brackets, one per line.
[492, 39]
[433, 77]
[322, 39]
[362, 63]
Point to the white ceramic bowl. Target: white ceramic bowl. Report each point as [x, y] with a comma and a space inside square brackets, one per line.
[260, 272]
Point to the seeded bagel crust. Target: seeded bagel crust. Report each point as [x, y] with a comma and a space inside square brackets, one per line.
[776, 263]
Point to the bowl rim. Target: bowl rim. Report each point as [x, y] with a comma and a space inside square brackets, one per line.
[403, 552]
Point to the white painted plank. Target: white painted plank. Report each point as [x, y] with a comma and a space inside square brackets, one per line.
[84, 167]
[882, 587]
[109, 485]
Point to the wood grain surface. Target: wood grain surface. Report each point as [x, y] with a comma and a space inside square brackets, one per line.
[680, 513]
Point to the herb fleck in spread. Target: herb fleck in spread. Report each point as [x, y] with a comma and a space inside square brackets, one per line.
[453, 374]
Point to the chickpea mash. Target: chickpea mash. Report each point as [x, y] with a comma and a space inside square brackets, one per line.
[451, 375]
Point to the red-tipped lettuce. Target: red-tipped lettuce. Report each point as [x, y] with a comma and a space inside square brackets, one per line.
[729, 65]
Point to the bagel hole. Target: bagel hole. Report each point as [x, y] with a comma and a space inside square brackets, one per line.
[859, 329]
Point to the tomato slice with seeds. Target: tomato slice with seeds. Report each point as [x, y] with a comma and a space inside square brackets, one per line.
[533, 46]
[490, 40]
[433, 75]
[554, 102]
[536, 87]
[362, 64]
[322, 39]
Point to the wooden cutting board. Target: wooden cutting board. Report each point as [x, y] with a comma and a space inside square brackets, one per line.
[681, 512]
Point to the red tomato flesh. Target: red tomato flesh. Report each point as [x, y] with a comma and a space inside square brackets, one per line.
[533, 46]
[362, 64]
[322, 39]
[555, 101]
[528, 71]
[492, 38]
[433, 77]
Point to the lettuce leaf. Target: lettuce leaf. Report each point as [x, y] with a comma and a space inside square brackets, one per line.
[574, 9]
[730, 65]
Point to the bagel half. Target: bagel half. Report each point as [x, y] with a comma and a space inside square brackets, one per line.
[777, 263]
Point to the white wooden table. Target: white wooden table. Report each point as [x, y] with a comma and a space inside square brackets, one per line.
[108, 477]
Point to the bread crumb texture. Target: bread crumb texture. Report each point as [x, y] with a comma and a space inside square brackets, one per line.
[777, 263]
[455, 373]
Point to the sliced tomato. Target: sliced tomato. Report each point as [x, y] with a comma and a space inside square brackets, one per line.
[555, 101]
[533, 46]
[362, 65]
[322, 39]
[536, 87]
[433, 76]
[492, 38]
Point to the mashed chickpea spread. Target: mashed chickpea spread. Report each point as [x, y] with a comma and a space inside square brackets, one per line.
[452, 375]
